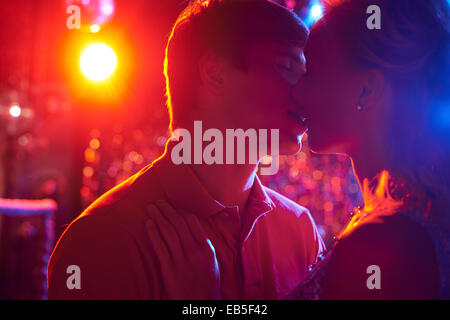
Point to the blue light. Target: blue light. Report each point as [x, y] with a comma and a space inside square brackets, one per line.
[440, 116]
[316, 11]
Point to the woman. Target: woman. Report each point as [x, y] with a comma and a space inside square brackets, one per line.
[379, 96]
[382, 97]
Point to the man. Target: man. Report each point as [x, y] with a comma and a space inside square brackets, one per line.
[229, 64]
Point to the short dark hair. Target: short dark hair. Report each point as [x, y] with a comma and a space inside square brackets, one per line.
[228, 27]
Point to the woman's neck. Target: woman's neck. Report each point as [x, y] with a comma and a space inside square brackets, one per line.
[367, 167]
[368, 163]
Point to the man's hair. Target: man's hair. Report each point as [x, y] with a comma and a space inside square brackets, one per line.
[229, 28]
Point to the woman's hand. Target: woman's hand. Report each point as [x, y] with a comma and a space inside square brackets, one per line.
[187, 257]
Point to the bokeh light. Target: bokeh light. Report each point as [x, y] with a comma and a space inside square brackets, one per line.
[316, 11]
[107, 8]
[98, 62]
[15, 111]
[94, 11]
[94, 28]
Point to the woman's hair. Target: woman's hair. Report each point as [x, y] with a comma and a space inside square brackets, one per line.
[412, 49]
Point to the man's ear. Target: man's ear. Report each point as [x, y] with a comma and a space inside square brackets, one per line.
[211, 70]
[373, 87]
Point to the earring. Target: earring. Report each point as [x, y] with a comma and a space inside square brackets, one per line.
[359, 108]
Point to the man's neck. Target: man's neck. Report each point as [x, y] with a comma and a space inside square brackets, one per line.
[228, 184]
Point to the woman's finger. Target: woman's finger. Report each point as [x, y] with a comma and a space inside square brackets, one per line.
[196, 229]
[167, 232]
[182, 229]
[163, 255]
[158, 244]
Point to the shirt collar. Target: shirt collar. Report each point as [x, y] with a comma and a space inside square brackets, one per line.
[259, 204]
[184, 190]
[259, 194]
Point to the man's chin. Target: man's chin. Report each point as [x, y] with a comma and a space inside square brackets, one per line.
[314, 145]
[324, 147]
[291, 147]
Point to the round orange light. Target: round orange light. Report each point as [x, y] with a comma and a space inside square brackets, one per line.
[98, 62]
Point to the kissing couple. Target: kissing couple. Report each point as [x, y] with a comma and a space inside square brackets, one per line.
[213, 231]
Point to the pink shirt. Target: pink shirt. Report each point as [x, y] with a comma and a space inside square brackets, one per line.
[262, 253]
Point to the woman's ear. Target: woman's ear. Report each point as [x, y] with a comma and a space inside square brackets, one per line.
[373, 88]
[211, 70]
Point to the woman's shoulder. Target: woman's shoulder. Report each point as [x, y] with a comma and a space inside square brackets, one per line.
[398, 230]
[395, 245]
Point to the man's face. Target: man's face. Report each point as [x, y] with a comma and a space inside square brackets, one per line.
[260, 96]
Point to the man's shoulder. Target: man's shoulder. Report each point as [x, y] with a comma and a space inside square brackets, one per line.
[108, 228]
[115, 219]
[106, 254]
[125, 202]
